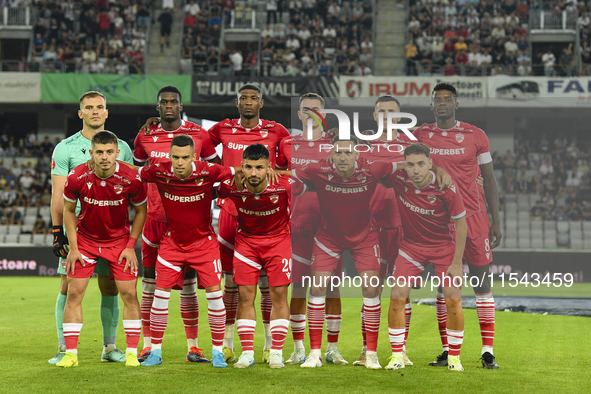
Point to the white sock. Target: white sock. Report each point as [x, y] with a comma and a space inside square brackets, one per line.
[109, 348]
[331, 346]
[192, 342]
[229, 337]
[268, 337]
[299, 344]
[487, 349]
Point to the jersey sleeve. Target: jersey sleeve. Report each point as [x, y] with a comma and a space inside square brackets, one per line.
[60, 160]
[208, 151]
[282, 134]
[284, 153]
[218, 172]
[224, 189]
[381, 169]
[71, 193]
[139, 151]
[138, 192]
[305, 174]
[148, 174]
[454, 202]
[215, 133]
[125, 152]
[482, 148]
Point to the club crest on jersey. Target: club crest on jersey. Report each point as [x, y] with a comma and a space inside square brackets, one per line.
[274, 198]
[118, 189]
[89, 184]
[430, 134]
[330, 176]
[243, 198]
[460, 137]
[199, 181]
[155, 139]
[431, 198]
[234, 129]
[361, 178]
[264, 133]
[296, 147]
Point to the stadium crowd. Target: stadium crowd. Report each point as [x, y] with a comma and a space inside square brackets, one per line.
[556, 173]
[301, 38]
[90, 37]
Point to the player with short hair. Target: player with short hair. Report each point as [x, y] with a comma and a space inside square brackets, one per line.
[236, 135]
[102, 230]
[155, 148]
[185, 186]
[383, 203]
[464, 151]
[430, 237]
[67, 155]
[263, 240]
[299, 151]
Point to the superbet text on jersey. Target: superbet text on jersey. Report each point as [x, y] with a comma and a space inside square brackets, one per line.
[155, 148]
[187, 202]
[459, 151]
[103, 219]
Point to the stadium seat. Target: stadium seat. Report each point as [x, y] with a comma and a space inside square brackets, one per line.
[7, 162]
[27, 228]
[511, 208]
[537, 233]
[537, 243]
[587, 244]
[587, 228]
[45, 211]
[38, 239]
[562, 227]
[550, 240]
[536, 224]
[524, 243]
[510, 198]
[563, 239]
[11, 238]
[550, 225]
[511, 242]
[13, 229]
[24, 239]
[523, 216]
[523, 202]
[21, 210]
[575, 227]
[576, 243]
[28, 219]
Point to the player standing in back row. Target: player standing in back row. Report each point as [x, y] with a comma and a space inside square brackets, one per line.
[463, 150]
[68, 154]
[150, 149]
[236, 135]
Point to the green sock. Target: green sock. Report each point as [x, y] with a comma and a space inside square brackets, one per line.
[60, 304]
[109, 318]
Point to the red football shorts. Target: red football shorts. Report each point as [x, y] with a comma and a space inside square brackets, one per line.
[412, 260]
[389, 244]
[227, 225]
[174, 259]
[477, 251]
[328, 250]
[110, 253]
[151, 235]
[273, 254]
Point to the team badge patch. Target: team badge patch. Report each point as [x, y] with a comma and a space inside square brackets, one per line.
[118, 189]
[264, 133]
[199, 181]
[274, 198]
[431, 198]
[460, 137]
[361, 178]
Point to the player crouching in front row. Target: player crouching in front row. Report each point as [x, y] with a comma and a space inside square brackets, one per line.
[102, 231]
[263, 241]
[429, 237]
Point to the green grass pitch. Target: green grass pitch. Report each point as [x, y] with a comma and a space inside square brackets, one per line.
[537, 353]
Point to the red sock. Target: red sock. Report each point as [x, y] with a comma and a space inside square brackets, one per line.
[372, 310]
[441, 309]
[159, 317]
[363, 333]
[397, 339]
[148, 286]
[485, 309]
[190, 308]
[230, 300]
[245, 330]
[408, 313]
[266, 304]
[455, 341]
[71, 334]
[279, 329]
[216, 315]
[316, 313]
[298, 326]
[333, 328]
[132, 329]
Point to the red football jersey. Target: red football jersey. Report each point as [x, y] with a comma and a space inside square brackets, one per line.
[235, 139]
[299, 153]
[261, 214]
[345, 204]
[383, 203]
[459, 151]
[187, 202]
[155, 148]
[103, 218]
[427, 213]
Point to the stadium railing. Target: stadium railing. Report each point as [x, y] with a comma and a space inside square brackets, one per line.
[17, 16]
[553, 20]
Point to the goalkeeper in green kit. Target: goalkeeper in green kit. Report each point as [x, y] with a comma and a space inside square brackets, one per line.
[68, 154]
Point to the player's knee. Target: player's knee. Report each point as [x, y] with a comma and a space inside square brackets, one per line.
[453, 304]
[107, 286]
